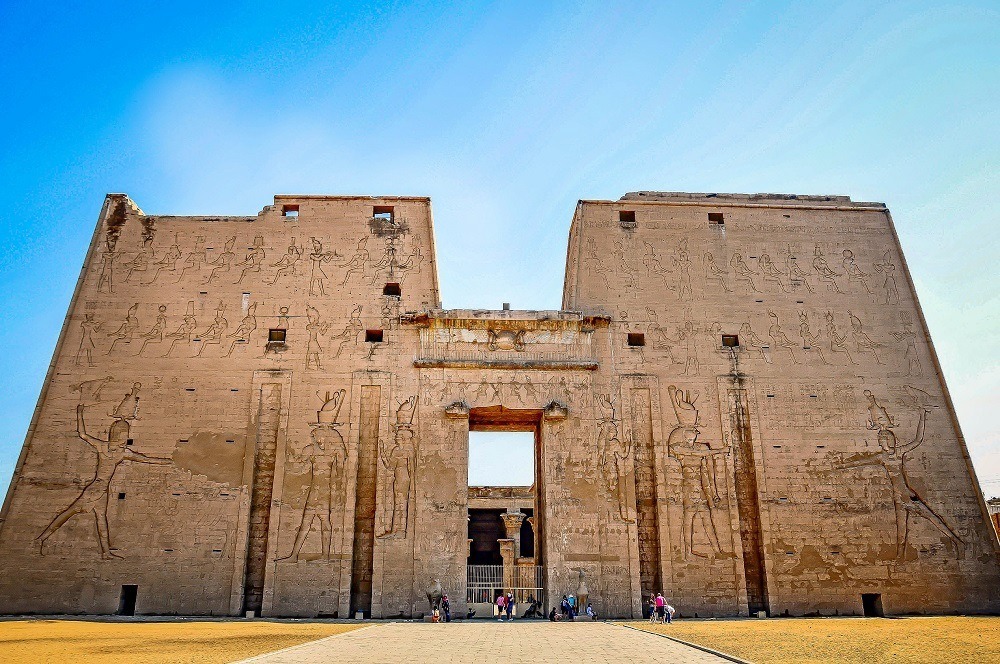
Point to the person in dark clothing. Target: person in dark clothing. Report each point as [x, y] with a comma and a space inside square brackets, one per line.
[446, 608]
[552, 614]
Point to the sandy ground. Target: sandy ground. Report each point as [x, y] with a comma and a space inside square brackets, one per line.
[40, 641]
[845, 640]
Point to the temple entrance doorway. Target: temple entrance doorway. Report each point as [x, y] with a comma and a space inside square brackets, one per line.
[504, 515]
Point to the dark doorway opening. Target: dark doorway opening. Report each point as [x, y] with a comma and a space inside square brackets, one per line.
[486, 529]
[126, 604]
[871, 603]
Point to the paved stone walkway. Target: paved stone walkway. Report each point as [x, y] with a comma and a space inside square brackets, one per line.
[473, 642]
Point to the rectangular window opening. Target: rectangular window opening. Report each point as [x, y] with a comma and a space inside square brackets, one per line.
[626, 218]
[392, 290]
[636, 339]
[731, 341]
[126, 603]
[129, 441]
[871, 603]
[276, 335]
[121, 496]
[290, 211]
[373, 336]
[716, 218]
[502, 458]
[383, 212]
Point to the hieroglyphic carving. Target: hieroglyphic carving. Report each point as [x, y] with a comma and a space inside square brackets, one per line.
[326, 457]
[155, 334]
[906, 500]
[107, 270]
[90, 390]
[195, 259]
[351, 331]
[700, 491]
[356, 264]
[614, 456]
[168, 262]
[593, 258]
[810, 341]
[398, 462]
[623, 258]
[142, 260]
[862, 341]
[778, 338]
[88, 327]
[111, 453]
[682, 261]
[749, 342]
[769, 272]
[823, 271]
[742, 271]
[314, 327]
[317, 275]
[838, 343]
[715, 273]
[390, 267]
[127, 329]
[909, 337]
[254, 259]
[655, 267]
[224, 263]
[287, 263]
[246, 328]
[795, 272]
[213, 335]
[185, 331]
[887, 269]
[853, 271]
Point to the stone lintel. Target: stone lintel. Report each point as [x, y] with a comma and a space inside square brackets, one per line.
[547, 365]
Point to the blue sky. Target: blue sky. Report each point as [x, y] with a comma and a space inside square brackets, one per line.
[505, 114]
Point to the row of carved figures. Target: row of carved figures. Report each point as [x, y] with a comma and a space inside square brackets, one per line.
[752, 274]
[173, 265]
[701, 466]
[704, 484]
[823, 345]
[159, 338]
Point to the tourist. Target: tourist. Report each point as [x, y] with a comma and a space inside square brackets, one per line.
[661, 604]
[552, 615]
[446, 607]
[590, 611]
[564, 607]
[669, 611]
[509, 605]
[572, 606]
[652, 608]
[501, 602]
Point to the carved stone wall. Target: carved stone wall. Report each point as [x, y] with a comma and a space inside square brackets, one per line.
[738, 405]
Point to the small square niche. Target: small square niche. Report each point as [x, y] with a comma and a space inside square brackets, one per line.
[373, 336]
[636, 339]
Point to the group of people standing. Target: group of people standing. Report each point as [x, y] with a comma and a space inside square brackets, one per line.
[659, 609]
[505, 607]
[569, 609]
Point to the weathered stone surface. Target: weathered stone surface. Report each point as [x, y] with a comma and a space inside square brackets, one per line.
[739, 405]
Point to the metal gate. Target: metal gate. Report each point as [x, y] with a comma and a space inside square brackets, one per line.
[485, 582]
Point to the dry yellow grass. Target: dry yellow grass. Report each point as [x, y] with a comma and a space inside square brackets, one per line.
[38, 641]
[844, 640]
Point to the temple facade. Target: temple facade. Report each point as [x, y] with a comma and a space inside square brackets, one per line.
[738, 404]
